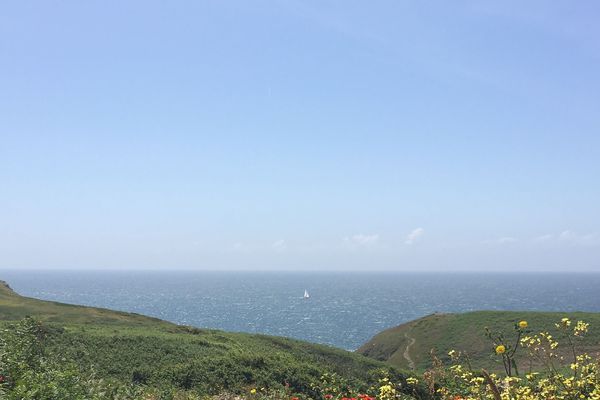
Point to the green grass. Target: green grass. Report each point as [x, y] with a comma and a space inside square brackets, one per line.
[131, 347]
[209, 360]
[466, 332]
[135, 348]
[14, 307]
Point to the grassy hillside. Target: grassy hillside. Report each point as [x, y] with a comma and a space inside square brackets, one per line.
[134, 348]
[409, 345]
[14, 307]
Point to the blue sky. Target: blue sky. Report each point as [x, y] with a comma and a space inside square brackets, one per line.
[300, 135]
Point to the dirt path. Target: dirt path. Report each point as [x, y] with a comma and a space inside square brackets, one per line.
[406, 354]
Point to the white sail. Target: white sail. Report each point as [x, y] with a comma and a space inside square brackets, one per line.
[306, 295]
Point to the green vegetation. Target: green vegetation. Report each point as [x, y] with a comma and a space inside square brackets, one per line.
[53, 351]
[132, 349]
[466, 333]
[14, 307]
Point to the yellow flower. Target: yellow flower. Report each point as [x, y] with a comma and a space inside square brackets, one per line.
[581, 328]
[412, 381]
[522, 324]
[531, 376]
[500, 349]
[574, 366]
[566, 322]
[387, 392]
[253, 391]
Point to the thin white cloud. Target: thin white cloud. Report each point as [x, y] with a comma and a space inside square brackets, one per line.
[569, 237]
[543, 238]
[362, 239]
[238, 246]
[241, 247]
[414, 236]
[506, 239]
[501, 240]
[577, 239]
[279, 245]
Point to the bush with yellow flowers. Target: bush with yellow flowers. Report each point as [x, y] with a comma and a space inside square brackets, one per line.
[558, 377]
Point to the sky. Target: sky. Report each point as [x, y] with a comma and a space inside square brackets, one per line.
[300, 135]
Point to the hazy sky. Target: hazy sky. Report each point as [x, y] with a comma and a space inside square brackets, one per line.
[280, 135]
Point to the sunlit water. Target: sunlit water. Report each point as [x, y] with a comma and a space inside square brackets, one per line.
[344, 310]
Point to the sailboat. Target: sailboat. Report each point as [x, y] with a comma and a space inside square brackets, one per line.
[306, 295]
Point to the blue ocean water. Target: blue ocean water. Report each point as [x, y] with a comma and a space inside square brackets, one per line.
[344, 310]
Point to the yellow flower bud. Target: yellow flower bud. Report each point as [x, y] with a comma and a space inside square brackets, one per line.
[522, 324]
[500, 349]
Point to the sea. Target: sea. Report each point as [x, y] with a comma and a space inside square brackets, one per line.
[344, 309]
